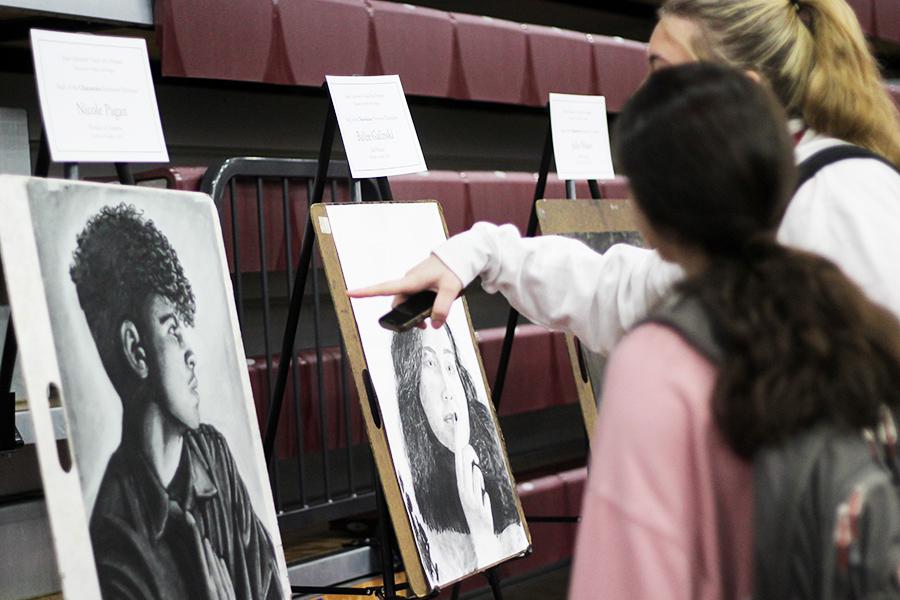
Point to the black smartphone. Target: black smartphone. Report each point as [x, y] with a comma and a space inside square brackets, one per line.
[410, 312]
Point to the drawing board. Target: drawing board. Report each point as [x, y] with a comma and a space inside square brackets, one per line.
[438, 449]
[599, 224]
[124, 315]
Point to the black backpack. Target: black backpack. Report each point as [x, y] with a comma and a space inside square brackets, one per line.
[807, 169]
[827, 502]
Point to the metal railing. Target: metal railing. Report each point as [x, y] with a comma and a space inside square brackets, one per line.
[263, 206]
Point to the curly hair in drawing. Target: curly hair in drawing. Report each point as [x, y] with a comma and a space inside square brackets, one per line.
[121, 260]
[431, 462]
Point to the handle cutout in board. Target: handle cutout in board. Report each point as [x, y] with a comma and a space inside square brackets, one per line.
[374, 407]
[63, 450]
[582, 368]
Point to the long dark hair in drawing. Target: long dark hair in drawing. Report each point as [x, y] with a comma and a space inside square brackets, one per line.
[431, 462]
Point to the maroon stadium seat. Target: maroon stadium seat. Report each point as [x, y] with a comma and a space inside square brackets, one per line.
[500, 197]
[404, 34]
[556, 188]
[193, 41]
[573, 482]
[544, 497]
[540, 374]
[615, 189]
[494, 196]
[273, 217]
[560, 61]
[273, 212]
[447, 187]
[865, 14]
[492, 55]
[611, 189]
[887, 19]
[324, 37]
[620, 66]
[336, 432]
[436, 53]
[174, 178]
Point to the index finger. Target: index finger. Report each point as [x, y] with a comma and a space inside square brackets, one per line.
[387, 288]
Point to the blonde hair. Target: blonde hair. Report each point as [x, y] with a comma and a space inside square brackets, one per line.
[813, 54]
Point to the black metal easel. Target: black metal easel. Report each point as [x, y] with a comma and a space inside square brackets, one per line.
[385, 536]
[9, 434]
[513, 319]
[385, 540]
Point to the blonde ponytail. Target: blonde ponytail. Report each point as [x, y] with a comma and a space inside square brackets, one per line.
[813, 54]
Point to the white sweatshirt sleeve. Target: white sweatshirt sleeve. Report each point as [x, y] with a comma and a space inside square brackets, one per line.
[559, 282]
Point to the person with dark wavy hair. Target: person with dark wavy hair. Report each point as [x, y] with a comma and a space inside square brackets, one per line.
[669, 500]
[459, 474]
[172, 518]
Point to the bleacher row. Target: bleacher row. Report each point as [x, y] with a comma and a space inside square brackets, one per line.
[465, 197]
[539, 377]
[540, 374]
[436, 53]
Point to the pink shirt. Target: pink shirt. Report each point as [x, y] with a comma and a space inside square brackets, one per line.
[667, 511]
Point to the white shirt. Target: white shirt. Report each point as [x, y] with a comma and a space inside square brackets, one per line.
[848, 212]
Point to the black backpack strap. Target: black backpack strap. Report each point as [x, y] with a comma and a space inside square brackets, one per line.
[687, 316]
[807, 169]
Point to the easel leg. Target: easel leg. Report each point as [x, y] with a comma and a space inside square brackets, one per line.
[385, 543]
[123, 172]
[8, 362]
[494, 583]
[513, 319]
[287, 345]
[303, 266]
[42, 161]
[454, 595]
[9, 438]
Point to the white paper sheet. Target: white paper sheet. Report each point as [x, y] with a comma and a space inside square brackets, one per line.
[97, 98]
[378, 132]
[580, 137]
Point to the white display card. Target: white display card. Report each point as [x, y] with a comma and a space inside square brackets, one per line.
[97, 98]
[379, 136]
[580, 137]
